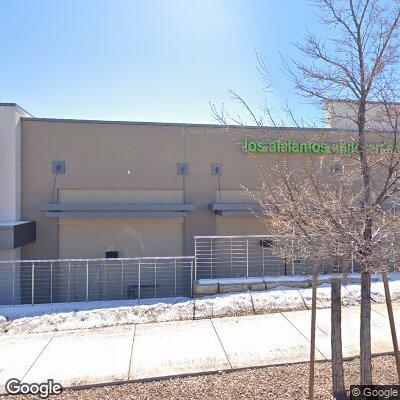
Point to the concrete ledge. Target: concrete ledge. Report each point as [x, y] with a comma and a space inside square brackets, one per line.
[201, 290]
[257, 286]
[207, 288]
[233, 287]
[289, 283]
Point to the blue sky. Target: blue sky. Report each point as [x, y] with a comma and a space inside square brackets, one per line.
[147, 60]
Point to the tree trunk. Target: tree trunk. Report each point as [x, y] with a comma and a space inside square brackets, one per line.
[313, 328]
[338, 389]
[365, 330]
[392, 323]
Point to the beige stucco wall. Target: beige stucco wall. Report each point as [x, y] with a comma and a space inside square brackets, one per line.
[117, 162]
[132, 237]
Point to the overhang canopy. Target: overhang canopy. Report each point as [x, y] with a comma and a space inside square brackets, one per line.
[115, 210]
[235, 209]
[15, 234]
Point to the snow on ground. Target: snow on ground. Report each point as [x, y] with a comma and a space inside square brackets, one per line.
[223, 305]
[277, 300]
[323, 296]
[63, 316]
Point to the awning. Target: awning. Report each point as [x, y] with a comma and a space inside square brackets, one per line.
[115, 210]
[14, 234]
[235, 209]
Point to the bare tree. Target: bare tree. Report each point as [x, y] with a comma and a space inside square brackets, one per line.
[358, 63]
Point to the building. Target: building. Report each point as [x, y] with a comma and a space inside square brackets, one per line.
[138, 189]
[93, 189]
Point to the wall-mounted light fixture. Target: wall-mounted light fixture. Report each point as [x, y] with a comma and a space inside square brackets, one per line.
[58, 167]
[182, 168]
[216, 169]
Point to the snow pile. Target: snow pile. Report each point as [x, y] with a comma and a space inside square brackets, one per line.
[277, 300]
[27, 310]
[63, 316]
[153, 311]
[323, 296]
[223, 305]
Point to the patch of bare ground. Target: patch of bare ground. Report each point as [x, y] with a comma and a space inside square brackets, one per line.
[275, 382]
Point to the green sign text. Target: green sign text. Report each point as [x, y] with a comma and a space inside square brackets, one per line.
[278, 146]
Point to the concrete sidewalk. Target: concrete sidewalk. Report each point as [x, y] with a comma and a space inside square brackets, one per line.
[134, 352]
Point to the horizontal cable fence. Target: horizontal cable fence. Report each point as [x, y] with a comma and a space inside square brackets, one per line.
[250, 256]
[72, 280]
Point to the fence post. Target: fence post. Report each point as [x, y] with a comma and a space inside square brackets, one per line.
[105, 280]
[155, 278]
[51, 282]
[247, 258]
[13, 285]
[231, 258]
[336, 341]
[195, 252]
[69, 278]
[122, 279]
[13, 288]
[33, 283]
[191, 278]
[139, 282]
[211, 255]
[263, 261]
[175, 277]
[195, 267]
[392, 322]
[87, 280]
[292, 260]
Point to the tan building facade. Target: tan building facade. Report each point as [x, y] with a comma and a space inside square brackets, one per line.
[89, 191]
[135, 189]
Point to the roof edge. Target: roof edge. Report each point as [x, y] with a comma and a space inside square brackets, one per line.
[179, 124]
[18, 107]
[355, 101]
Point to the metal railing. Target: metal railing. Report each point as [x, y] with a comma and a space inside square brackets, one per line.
[248, 256]
[74, 280]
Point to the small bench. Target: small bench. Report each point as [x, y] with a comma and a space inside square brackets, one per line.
[133, 290]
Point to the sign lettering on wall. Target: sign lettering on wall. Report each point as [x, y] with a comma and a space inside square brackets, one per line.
[278, 146]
